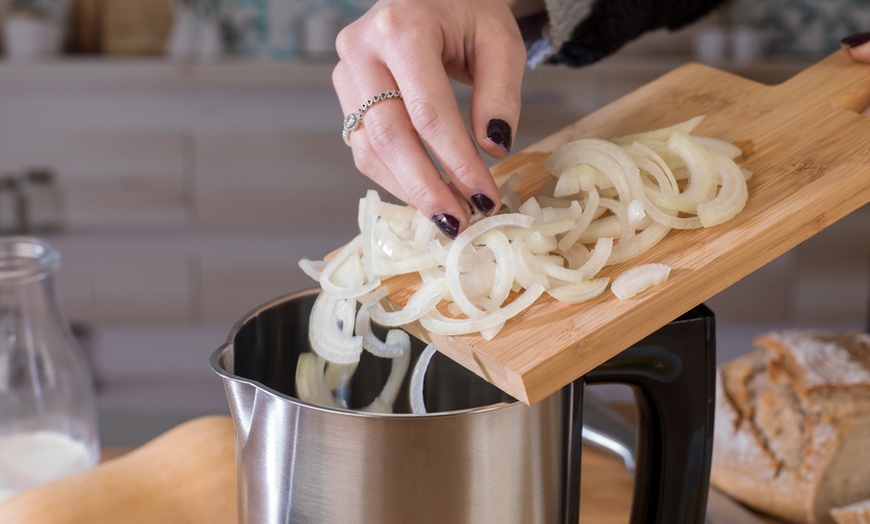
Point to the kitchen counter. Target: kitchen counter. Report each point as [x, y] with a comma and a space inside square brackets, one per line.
[606, 490]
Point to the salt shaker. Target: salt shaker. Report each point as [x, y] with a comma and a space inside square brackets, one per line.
[48, 418]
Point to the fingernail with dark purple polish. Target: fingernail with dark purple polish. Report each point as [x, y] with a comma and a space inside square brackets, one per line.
[483, 203]
[856, 40]
[499, 131]
[448, 224]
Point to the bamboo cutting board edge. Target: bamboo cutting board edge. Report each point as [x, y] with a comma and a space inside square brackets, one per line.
[799, 188]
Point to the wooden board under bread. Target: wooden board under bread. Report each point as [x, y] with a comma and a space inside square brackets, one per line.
[809, 148]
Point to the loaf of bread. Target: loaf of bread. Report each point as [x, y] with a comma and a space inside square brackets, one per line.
[792, 433]
[858, 513]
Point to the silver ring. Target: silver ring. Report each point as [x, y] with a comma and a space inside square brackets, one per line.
[354, 120]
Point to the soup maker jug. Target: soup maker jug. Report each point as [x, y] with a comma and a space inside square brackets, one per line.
[478, 456]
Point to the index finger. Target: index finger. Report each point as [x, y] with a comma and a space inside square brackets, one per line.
[434, 112]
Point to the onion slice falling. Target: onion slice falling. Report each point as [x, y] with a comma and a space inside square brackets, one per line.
[418, 404]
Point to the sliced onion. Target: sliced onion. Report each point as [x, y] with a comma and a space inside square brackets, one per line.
[622, 195]
[576, 256]
[327, 337]
[723, 146]
[599, 256]
[418, 404]
[620, 211]
[337, 375]
[312, 268]
[528, 270]
[662, 134]
[451, 264]
[540, 244]
[571, 238]
[732, 196]
[579, 292]
[370, 342]
[367, 219]
[353, 248]
[655, 165]
[422, 301]
[505, 271]
[310, 384]
[702, 174]
[383, 403]
[640, 243]
[439, 324]
[638, 279]
[589, 151]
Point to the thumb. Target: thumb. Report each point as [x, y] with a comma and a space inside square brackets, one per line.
[858, 47]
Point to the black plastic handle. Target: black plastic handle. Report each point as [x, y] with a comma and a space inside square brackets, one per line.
[673, 375]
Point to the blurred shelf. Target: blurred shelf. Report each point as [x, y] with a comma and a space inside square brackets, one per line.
[145, 73]
[632, 66]
[150, 73]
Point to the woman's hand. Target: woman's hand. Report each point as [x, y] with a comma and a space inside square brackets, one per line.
[416, 46]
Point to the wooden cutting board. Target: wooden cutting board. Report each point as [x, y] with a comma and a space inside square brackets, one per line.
[810, 151]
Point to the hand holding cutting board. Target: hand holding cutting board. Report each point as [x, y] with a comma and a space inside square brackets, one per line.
[804, 139]
[411, 49]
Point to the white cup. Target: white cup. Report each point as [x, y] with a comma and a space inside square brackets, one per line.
[27, 38]
[746, 45]
[710, 45]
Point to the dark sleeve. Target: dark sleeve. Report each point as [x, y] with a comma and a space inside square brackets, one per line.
[613, 23]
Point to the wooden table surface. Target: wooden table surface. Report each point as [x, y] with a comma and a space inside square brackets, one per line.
[606, 489]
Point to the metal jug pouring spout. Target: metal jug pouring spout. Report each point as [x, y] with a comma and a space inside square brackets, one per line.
[241, 394]
[477, 457]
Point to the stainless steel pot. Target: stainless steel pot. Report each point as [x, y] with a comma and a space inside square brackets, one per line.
[478, 457]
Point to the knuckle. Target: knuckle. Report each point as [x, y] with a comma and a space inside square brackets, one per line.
[419, 194]
[515, 49]
[503, 95]
[390, 20]
[365, 160]
[463, 172]
[426, 117]
[337, 75]
[383, 137]
[346, 42]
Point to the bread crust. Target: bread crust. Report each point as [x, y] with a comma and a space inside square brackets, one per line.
[858, 513]
[792, 420]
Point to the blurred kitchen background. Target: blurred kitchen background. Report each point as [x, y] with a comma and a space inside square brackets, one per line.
[183, 155]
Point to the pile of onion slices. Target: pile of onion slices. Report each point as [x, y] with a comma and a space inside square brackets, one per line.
[610, 201]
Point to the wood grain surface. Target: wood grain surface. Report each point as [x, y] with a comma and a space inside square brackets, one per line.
[606, 490]
[810, 151]
[605, 487]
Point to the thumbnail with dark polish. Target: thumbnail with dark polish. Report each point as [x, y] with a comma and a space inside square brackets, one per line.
[856, 40]
[499, 131]
[448, 224]
[483, 203]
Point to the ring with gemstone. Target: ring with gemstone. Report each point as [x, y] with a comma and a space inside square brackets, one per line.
[354, 120]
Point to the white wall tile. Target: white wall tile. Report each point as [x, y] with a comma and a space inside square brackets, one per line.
[275, 179]
[105, 287]
[108, 180]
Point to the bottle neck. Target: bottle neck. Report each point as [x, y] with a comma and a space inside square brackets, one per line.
[30, 314]
[27, 293]
[32, 303]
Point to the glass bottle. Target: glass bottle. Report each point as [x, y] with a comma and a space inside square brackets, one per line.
[48, 419]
